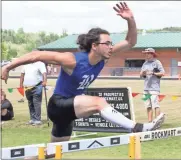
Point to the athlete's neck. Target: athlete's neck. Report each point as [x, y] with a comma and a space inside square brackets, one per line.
[94, 58]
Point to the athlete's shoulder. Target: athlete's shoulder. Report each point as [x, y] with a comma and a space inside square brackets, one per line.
[81, 55]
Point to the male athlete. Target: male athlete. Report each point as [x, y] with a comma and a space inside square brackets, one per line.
[78, 71]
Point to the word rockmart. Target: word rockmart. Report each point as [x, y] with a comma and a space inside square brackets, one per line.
[163, 134]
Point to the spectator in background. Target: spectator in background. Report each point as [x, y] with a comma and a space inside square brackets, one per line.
[7, 112]
[33, 79]
[49, 69]
[152, 71]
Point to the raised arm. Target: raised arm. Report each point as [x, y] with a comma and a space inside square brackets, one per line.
[123, 10]
[66, 60]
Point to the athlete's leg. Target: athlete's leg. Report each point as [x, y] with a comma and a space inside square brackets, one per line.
[85, 106]
[61, 113]
[60, 133]
[59, 139]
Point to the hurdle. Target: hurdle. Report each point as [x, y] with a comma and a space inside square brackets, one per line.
[21, 151]
[58, 148]
[82, 135]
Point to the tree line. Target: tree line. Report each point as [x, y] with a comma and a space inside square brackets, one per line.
[15, 44]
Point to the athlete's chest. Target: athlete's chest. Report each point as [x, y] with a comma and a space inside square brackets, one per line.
[84, 76]
[87, 73]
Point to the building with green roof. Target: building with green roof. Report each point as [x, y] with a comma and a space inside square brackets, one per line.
[166, 44]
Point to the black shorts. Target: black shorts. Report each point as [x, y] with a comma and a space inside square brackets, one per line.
[61, 113]
[6, 117]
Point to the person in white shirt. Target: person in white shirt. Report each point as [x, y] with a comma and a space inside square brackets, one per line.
[33, 79]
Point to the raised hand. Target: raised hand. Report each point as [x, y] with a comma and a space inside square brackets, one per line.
[123, 10]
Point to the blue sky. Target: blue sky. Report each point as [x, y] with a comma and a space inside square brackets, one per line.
[80, 16]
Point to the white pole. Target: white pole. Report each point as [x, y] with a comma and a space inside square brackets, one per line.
[131, 104]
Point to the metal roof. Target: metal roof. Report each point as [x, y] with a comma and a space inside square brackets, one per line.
[155, 40]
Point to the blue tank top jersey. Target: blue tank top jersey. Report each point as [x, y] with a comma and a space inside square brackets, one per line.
[83, 75]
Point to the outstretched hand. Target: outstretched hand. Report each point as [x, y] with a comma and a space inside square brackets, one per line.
[4, 74]
[123, 10]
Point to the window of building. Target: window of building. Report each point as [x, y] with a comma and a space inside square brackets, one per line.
[134, 63]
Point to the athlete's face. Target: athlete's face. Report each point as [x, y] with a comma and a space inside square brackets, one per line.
[104, 47]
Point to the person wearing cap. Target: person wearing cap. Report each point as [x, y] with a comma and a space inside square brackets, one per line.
[152, 71]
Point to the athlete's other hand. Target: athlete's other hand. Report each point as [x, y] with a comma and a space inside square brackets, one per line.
[4, 74]
[123, 10]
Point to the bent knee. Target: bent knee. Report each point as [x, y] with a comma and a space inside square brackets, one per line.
[101, 103]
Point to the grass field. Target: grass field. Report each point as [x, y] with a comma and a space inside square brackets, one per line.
[16, 132]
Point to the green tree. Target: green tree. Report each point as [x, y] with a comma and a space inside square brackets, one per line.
[64, 33]
[4, 51]
[53, 37]
[12, 52]
[9, 51]
[20, 36]
[30, 46]
[42, 36]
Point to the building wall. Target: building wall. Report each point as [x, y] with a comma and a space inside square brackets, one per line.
[118, 61]
[164, 55]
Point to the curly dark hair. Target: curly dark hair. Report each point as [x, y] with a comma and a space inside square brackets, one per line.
[93, 36]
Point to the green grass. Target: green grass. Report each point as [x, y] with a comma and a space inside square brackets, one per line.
[16, 132]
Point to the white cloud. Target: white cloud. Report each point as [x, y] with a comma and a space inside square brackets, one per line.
[80, 16]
